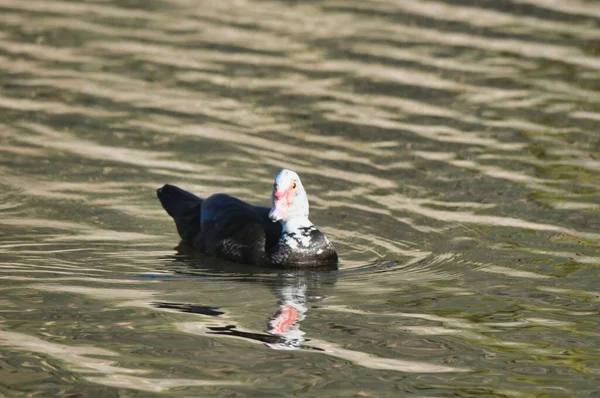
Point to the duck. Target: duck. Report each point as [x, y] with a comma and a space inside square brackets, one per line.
[226, 227]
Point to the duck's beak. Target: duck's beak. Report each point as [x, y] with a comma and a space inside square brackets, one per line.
[275, 214]
[282, 201]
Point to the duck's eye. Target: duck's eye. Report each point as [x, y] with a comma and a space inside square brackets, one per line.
[294, 185]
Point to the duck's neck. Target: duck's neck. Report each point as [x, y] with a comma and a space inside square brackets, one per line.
[295, 224]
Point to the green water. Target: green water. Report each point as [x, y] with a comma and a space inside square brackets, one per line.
[450, 151]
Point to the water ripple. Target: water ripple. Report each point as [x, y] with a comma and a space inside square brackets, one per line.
[449, 151]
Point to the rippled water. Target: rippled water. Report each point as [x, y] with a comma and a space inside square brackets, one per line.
[450, 149]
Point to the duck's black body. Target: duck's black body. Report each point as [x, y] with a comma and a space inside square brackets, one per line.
[229, 228]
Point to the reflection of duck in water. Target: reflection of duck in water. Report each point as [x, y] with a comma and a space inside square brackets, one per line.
[226, 227]
[295, 290]
[285, 324]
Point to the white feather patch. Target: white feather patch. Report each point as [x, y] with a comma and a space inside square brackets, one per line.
[298, 238]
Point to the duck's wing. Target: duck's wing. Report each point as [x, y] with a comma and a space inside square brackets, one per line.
[236, 230]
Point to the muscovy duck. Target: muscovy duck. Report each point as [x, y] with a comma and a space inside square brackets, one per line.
[227, 227]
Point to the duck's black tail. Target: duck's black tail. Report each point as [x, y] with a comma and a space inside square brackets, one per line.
[185, 209]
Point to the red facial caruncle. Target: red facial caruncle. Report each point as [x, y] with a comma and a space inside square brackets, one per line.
[282, 201]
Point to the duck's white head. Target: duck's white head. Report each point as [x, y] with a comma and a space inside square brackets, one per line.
[289, 198]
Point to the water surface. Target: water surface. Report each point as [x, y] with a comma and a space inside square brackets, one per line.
[450, 150]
